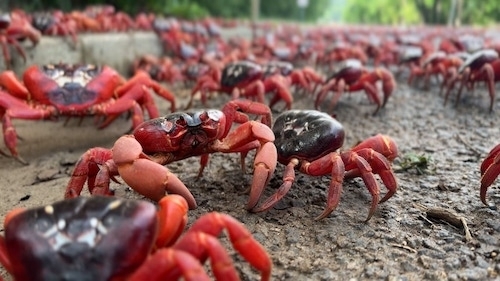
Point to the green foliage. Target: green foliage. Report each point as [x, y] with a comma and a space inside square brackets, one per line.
[189, 11]
[227, 9]
[421, 11]
[480, 12]
[381, 12]
[420, 163]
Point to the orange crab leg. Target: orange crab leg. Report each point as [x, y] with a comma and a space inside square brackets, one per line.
[87, 167]
[163, 92]
[329, 86]
[129, 101]
[380, 143]
[340, 91]
[11, 83]
[15, 108]
[236, 109]
[204, 84]
[172, 219]
[169, 264]
[329, 164]
[288, 180]
[382, 167]
[353, 161]
[265, 159]
[279, 84]
[212, 224]
[264, 166]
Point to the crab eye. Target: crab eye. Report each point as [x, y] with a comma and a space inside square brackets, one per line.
[181, 121]
[167, 126]
[204, 116]
[215, 115]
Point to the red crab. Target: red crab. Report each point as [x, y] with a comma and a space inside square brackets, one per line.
[50, 91]
[305, 78]
[490, 169]
[341, 51]
[236, 78]
[483, 65]
[352, 76]
[15, 27]
[309, 141]
[105, 238]
[139, 158]
[241, 78]
[56, 23]
[162, 69]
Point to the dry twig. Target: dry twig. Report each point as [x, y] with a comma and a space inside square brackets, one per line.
[448, 216]
[404, 247]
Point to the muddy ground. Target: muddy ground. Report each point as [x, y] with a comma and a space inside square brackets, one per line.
[401, 242]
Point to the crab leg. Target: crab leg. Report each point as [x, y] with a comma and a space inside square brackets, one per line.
[203, 85]
[172, 219]
[353, 161]
[277, 84]
[255, 89]
[9, 81]
[340, 91]
[143, 79]
[330, 86]
[87, 167]
[331, 163]
[165, 262]
[211, 225]
[236, 109]
[129, 101]
[382, 167]
[265, 159]
[380, 143]
[490, 169]
[14, 108]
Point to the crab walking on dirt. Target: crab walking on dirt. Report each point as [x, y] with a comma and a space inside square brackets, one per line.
[309, 140]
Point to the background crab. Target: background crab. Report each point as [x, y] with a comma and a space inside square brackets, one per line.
[52, 91]
[352, 76]
[14, 28]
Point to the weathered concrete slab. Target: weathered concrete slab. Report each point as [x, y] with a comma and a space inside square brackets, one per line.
[117, 50]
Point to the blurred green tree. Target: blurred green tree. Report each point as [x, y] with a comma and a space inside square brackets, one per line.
[280, 9]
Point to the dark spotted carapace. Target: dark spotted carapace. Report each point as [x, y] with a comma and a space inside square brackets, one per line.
[86, 238]
[306, 134]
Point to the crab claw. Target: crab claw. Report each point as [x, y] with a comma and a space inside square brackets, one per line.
[145, 176]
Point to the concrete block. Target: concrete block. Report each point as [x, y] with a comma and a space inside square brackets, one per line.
[117, 50]
[120, 49]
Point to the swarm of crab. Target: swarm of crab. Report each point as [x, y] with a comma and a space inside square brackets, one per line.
[65, 238]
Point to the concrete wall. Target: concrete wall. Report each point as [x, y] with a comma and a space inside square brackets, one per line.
[117, 50]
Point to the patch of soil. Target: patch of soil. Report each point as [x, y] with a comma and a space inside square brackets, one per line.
[402, 241]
